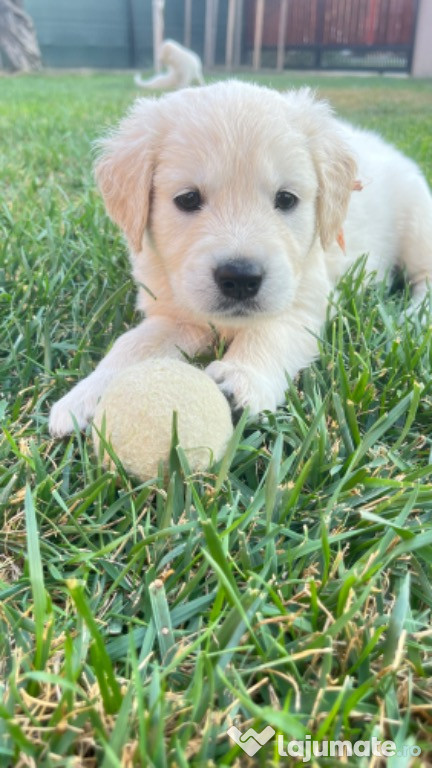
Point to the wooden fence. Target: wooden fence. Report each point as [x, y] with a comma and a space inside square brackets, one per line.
[368, 34]
[233, 34]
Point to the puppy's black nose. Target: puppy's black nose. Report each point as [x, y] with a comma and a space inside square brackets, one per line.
[239, 279]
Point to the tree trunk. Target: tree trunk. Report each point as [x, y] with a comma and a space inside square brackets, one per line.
[18, 40]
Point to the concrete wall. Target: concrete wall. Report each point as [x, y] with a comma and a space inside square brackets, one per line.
[113, 33]
[422, 58]
[93, 33]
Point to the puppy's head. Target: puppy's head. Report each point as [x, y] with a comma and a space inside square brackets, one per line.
[167, 52]
[235, 185]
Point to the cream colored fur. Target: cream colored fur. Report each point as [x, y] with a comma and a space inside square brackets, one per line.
[183, 68]
[239, 144]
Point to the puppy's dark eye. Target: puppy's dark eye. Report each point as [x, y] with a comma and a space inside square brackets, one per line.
[189, 201]
[285, 200]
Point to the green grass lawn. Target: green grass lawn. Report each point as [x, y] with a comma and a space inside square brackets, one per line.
[291, 587]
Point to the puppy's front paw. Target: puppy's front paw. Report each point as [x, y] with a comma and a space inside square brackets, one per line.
[65, 411]
[77, 407]
[245, 387]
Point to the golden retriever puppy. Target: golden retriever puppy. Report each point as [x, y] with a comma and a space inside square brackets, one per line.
[233, 199]
[183, 68]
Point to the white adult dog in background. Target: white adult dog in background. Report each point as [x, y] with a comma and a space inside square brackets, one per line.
[183, 69]
[232, 198]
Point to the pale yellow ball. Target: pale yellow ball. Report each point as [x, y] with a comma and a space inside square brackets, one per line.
[138, 409]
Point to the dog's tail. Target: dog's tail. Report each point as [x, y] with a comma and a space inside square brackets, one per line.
[163, 82]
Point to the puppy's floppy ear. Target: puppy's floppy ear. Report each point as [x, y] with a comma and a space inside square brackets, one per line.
[337, 172]
[124, 169]
[335, 165]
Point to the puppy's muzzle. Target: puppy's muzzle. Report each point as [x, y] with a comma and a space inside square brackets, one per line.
[239, 279]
